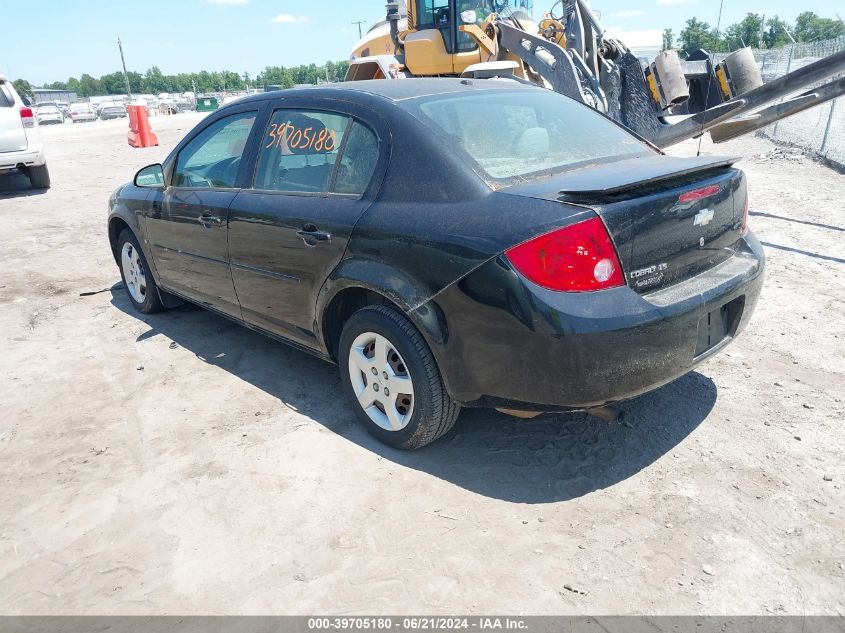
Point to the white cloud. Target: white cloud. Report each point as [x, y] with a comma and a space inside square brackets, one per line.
[227, 1]
[622, 15]
[289, 18]
[672, 2]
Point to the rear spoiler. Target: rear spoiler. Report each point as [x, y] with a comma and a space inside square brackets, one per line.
[616, 179]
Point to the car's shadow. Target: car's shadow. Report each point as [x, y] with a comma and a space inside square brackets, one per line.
[15, 185]
[555, 457]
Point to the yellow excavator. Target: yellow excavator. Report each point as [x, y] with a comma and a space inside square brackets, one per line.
[665, 100]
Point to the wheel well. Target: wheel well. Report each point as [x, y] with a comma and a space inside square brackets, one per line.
[343, 305]
[116, 226]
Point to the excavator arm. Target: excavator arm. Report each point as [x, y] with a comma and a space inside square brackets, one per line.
[729, 99]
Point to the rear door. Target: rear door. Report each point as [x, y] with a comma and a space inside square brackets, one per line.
[317, 171]
[12, 133]
[186, 222]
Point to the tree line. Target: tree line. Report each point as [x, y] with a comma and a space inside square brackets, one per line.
[154, 81]
[753, 30]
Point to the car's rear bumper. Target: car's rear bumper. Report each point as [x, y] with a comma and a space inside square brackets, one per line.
[33, 156]
[502, 341]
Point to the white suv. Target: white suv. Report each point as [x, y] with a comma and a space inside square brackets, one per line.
[20, 143]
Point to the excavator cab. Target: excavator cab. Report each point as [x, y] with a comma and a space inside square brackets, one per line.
[428, 38]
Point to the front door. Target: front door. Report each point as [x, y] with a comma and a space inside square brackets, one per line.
[187, 223]
[286, 234]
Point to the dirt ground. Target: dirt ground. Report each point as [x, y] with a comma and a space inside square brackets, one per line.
[180, 464]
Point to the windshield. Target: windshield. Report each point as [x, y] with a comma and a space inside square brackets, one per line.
[514, 136]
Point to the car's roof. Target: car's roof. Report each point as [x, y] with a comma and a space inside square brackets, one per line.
[396, 89]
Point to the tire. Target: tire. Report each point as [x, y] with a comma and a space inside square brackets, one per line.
[39, 177]
[138, 281]
[420, 419]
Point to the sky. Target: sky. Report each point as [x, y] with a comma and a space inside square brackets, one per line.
[52, 40]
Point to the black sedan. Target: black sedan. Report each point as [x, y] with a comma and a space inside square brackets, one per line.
[448, 243]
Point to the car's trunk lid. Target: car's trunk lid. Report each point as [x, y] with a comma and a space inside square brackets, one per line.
[669, 218]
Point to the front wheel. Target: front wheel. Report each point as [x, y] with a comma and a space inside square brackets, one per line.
[137, 278]
[392, 379]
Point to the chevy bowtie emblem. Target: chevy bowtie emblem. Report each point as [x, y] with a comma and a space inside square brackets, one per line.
[702, 217]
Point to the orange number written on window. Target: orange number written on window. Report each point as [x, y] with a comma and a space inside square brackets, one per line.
[297, 138]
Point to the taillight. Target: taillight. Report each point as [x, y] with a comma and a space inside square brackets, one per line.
[744, 230]
[27, 117]
[576, 258]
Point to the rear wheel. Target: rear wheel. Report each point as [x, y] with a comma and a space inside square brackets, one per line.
[137, 279]
[39, 177]
[392, 379]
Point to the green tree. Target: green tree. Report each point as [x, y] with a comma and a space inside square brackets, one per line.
[698, 34]
[745, 33]
[113, 83]
[275, 76]
[341, 69]
[73, 85]
[155, 82]
[23, 88]
[668, 39]
[776, 33]
[136, 82]
[809, 27]
[88, 86]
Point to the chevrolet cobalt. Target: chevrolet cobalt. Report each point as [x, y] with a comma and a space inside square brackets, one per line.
[448, 243]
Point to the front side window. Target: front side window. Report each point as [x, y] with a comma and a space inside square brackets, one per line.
[513, 136]
[213, 158]
[299, 150]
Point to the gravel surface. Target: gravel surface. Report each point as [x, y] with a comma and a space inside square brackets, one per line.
[179, 463]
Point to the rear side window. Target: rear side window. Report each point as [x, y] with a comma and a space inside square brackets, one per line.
[213, 157]
[299, 150]
[6, 98]
[357, 162]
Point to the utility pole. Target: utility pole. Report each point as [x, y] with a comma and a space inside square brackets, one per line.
[359, 23]
[125, 76]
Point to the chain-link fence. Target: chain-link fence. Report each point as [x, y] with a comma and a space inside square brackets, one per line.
[819, 130]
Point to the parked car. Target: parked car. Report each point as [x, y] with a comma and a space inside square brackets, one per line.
[112, 111]
[21, 149]
[81, 112]
[449, 244]
[48, 114]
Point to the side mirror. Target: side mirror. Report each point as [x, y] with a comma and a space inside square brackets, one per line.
[151, 176]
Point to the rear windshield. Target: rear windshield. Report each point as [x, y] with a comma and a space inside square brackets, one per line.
[515, 136]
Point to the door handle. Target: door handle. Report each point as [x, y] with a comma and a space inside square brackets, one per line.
[312, 236]
[208, 220]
